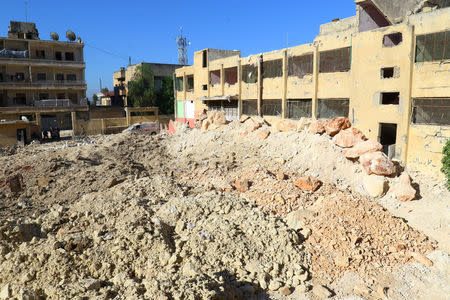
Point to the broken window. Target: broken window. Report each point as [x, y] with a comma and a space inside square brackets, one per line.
[249, 74]
[298, 108]
[41, 76]
[179, 84]
[190, 82]
[58, 55]
[205, 87]
[271, 107]
[300, 65]
[393, 39]
[69, 56]
[60, 77]
[431, 111]
[71, 77]
[433, 47]
[387, 72]
[272, 68]
[231, 75]
[214, 77]
[250, 107]
[204, 59]
[332, 108]
[40, 54]
[390, 98]
[338, 60]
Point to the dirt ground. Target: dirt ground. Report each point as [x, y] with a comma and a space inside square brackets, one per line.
[212, 215]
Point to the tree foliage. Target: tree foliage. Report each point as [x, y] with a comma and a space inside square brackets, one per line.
[446, 162]
[94, 99]
[141, 88]
[164, 98]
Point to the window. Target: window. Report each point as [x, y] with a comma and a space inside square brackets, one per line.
[41, 76]
[43, 96]
[20, 76]
[271, 107]
[387, 72]
[69, 56]
[73, 98]
[300, 65]
[249, 74]
[1, 77]
[250, 107]
[272, 68]
[205, 87]
[390, 98]
[214, 77]
[431, 111]
[61, 96]
[298, 108]
[338, 60]
[231, 75]
[392, 40]
[332, 108]
[40, 54]
[433, 47]
[190, 82]
[71, 77]
[204, 59]
[179, 84]
[20, 99]
[60, 77]
[58, 55]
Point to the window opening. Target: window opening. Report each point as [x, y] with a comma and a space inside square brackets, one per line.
[393, 39]
[338, 60]
[390, 98]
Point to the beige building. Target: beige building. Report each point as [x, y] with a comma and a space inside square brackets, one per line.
[36, 72]
[387, 69]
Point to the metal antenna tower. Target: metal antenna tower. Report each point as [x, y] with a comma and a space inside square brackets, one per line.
[182, 48]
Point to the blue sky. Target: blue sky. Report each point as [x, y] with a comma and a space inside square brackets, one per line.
[146, 30]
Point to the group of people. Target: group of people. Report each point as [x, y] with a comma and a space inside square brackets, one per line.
[53, 133]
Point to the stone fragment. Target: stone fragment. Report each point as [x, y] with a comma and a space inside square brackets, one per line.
[419, 257]
[374, 185]
[205, 124]
[341, 261]
[286, 125]
[203, 115]
[377, 163]
[5, 292]
[43, 181]
[280, 175]
[295, 219]
[189, 270]
[111, 182]
[403, 190]
[285, 291]
[362, 148]
[279, 199]
[321, 291]
[219, 118]
[348, 138]
[263, 134]
[15, 183]
[309, 183]
[90, 284]
[317, 127]
[362, 290]
[333, 126]
[274, 285]
[242, 185]
[303, 123]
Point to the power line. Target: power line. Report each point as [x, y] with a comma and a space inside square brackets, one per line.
[107, 52]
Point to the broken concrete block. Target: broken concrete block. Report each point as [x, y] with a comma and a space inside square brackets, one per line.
[15, 183]
[403, 190]
[263, 134]
[348, 138]
[309, 183]
[242, 185]
[43, 181]
[333, 126]
[286, 125]
[316, 127]
[374, 185]
[377, 163]
[362, 148]
[205, 124]
[219, 118]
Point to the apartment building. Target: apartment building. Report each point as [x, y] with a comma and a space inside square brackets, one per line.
[122, 78]
[36, 72]
[387, 69]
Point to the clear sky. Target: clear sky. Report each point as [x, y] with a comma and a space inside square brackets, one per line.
[146, 30]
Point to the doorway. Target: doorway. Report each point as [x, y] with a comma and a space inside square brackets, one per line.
[388, 138]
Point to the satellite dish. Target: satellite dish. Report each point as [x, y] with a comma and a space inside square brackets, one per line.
[54, 36]
[70, 35]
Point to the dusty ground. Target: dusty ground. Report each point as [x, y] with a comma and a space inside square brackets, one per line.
[137, 216]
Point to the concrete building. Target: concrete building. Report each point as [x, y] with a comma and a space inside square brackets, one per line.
[387, 69]
[36, 72]
[122, 78]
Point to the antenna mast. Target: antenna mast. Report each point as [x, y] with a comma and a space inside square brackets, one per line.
[182, 48]
[26, 11]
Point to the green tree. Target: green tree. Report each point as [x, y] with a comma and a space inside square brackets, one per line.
[141, 89]
[94, 99]
[446, 162]
[164, 98]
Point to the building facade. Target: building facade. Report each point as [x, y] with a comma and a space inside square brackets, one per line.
[122, 78]
[36, 72]
[387, 69]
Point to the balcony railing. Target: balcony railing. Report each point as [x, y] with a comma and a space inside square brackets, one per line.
[58, 102]
[8, 53]
[13, 80]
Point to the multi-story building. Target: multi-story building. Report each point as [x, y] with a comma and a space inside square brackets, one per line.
[123, 77]
[34, 70]
[387, 69]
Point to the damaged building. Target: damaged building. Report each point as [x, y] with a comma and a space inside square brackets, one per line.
[387, 69]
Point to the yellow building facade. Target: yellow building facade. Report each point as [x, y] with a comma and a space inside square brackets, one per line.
[387, 70]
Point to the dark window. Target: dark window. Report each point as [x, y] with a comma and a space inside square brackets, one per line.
[179, 84]
[58, 55]
[271, 107]
[20, 76]
[231, 75]
[190, 82]
[390, 98]
[69, 56]
[43, 96]
[250, 107]
[272, 68]
[60, 77]
[332, 108]
[214, 77]
[20, 99]
[41, 76]
[40, 53]
[387, 72]
[249, 74]
[29, 36]
[205, 87]
[433, 47]
[387, 138]
[204, 59]
[142, 113]
[61, 96]
[73, 98]
[431, 111]
[392, 40]
[300, 65]
[298, 108]
[71, 77]
[1, 77]
[338, 60]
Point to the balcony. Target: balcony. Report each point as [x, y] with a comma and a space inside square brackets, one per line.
[24, 58]
[59, 103]
[12, 81]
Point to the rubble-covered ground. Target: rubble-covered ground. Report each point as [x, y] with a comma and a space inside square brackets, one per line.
[207, 215]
